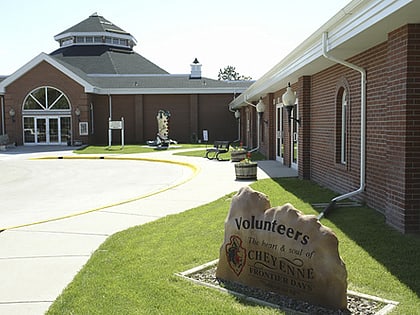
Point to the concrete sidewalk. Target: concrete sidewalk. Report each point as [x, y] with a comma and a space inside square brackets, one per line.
[38, 261]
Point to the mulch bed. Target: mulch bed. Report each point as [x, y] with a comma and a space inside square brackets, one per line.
[355, 304]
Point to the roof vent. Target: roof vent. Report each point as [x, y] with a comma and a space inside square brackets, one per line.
[195, 69]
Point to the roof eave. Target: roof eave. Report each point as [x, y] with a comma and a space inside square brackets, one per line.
[131, 91]
[307, 58]
[37, 60]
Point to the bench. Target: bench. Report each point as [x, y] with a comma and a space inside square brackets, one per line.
[218, 148]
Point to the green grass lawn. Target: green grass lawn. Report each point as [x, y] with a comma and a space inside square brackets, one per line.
[131, 149]
[133, 271]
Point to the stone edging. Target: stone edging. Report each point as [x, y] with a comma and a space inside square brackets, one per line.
[389, 305]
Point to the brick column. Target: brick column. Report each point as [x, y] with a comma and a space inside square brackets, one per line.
[304, 156]
[403, 130]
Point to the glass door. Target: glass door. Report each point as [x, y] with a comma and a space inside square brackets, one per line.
[28, 130]
[41, 130]
[65, 129]
[294, 139]
[279, 134]
[53, 130]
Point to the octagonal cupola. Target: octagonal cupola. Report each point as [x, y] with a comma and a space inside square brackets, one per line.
[96, 30]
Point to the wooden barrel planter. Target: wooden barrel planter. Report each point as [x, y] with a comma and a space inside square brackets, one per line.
[246, 171]
[237, 156]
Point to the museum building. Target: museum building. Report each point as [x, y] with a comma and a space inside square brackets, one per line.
[70, 95]
[350, 120]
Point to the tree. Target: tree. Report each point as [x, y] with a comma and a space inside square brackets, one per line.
[229, 74]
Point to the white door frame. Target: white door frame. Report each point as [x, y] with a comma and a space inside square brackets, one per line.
[279, 133]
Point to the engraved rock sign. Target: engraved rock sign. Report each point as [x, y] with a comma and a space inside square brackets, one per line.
[281, 250]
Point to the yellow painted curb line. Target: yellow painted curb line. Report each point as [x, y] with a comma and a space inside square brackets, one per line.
[193, 167]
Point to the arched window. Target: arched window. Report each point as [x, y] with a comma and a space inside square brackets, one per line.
[342, 126]
[46, 117]
[46, 98]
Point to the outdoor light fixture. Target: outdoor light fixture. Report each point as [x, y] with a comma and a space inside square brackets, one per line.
[12, 114]
[237, 114]
[289, 102]
[77, 112]
[260, 107]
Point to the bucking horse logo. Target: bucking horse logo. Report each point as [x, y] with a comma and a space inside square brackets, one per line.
[236, 254]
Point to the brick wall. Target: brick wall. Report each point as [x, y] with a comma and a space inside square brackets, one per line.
[42, 75]
[190, 114]
[393, 128]
[403, 129]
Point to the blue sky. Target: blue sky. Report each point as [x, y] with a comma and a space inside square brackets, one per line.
[250, 35]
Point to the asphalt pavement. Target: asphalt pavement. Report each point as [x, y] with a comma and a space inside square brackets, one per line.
[56, 209]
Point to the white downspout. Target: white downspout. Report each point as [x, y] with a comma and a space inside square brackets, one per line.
[3, 130]
[362, 125]
[258, 128]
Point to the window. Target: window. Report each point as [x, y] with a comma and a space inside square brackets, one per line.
[83, 128]
[342, 126]
[46, 98]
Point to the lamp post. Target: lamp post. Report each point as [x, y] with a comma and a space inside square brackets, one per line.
[12, 114]
[289, 102]
[77, 112]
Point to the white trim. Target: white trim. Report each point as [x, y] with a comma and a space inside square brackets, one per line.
[84, 34]
[37, 60]
[347, 30]
[161, 91]
[279, 132]
[344, 135]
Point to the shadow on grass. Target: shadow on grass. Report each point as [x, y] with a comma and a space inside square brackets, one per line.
[398, 253]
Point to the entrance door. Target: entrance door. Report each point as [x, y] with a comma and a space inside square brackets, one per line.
[53, 130]
[279, 134]
[294, 139]
[46, 130]
[41, 130]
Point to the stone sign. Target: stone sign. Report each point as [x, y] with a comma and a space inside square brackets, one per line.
[281, 250]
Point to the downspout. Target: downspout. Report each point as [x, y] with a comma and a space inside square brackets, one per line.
[362, 126]
[3, 131]
[258, 129]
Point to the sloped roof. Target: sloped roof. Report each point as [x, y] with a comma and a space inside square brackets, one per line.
[94, 23]
[106, 59]
[170, 83]
[104, 68]
[131, 83]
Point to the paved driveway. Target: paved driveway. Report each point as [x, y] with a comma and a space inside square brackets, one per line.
[39, 190]
[38, 261]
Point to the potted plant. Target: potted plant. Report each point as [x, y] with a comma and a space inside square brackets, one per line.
[246, 169]
[238, 154]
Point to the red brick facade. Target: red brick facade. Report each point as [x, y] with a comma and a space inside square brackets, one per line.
[190, 113]
[392, 128]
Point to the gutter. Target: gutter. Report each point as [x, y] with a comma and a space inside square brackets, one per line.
[362, 126]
